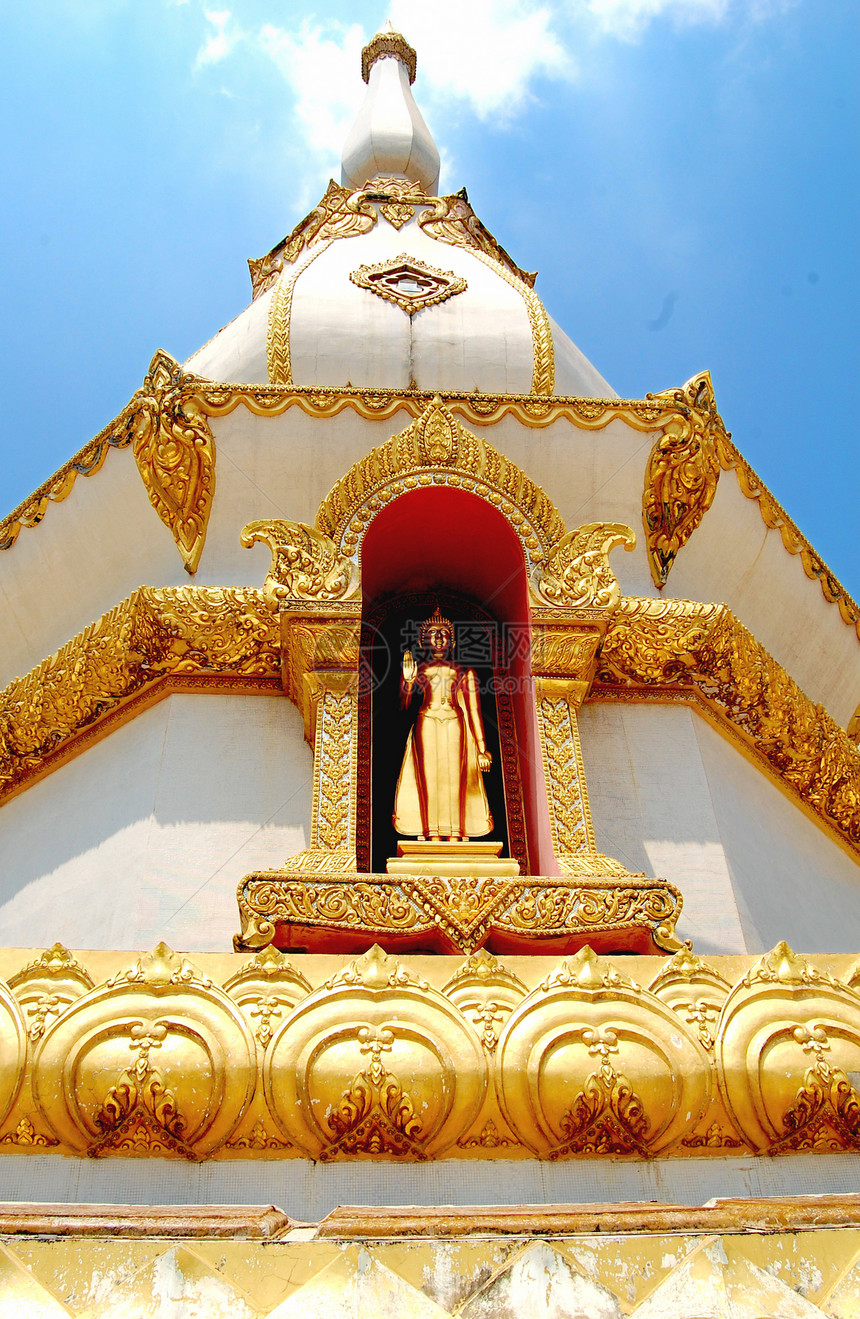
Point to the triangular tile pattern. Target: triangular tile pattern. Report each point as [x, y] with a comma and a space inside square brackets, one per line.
[710, 1286]
[812, 1274]
[541, 1281]
[21, 1295]
[177, 1283]
[355, 1288]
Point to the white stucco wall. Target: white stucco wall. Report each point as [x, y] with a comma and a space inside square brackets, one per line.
[670, 796]
[146, 835]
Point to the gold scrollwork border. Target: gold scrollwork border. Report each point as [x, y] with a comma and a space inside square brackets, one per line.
[184, 638]
[154, 642]
[677, 649]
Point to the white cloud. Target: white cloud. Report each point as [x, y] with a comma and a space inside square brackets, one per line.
[482, 52]
[219, 43]
[484, 56]
[321, 62]
[628, 19]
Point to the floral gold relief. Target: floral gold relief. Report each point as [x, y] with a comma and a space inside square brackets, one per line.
[174, 450]
[582, 1069]
[789, 1053]
[402, 1058]
[414, 1069]
[682, 473]
[157, 1060]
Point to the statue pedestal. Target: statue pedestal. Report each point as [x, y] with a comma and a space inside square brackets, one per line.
[451, 859]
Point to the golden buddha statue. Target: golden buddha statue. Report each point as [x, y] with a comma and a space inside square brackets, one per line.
[440, 794]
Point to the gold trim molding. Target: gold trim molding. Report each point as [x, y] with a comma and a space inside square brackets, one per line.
[217, 400]
[220, 1057]
[192, 638]
[676, 646]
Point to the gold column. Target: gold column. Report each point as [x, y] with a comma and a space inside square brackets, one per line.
[563, 662]
[320, 671]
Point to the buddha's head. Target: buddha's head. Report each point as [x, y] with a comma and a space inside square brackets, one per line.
[437, 635]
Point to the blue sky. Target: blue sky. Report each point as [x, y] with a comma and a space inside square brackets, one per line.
[682, 173]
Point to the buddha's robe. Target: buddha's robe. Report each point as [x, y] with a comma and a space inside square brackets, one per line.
[440, 789]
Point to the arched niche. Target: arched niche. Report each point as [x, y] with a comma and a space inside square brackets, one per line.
[440, 544]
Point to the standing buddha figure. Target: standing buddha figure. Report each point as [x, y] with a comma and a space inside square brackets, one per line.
[440, 792]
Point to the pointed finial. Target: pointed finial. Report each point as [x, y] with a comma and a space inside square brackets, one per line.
[389, 137]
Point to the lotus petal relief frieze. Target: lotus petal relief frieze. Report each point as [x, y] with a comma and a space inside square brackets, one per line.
[376, 1062]
[590, 1063]
[251, 1057]
[156, 1060]
[788, 1051]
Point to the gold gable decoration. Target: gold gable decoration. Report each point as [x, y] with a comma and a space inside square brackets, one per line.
[174, 450]
[682, 473]
[217, 400]
[437, 449]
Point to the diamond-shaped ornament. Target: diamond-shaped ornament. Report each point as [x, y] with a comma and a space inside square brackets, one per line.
[408, 282]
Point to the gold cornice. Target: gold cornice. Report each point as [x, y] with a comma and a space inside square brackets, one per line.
[228, 640]
[219, 1057]
[676, 646]
[153, 642]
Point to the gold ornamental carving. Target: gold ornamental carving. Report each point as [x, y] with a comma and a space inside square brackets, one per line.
[174, 450]
[682, 647]
[345, 214]
[157, 1060]
[305, 563]
[159, 641]
[340, 214]
[533, 410]
[155, 641]
[577, 575]
[682, 473]
[47, 986]
[595, 901]
[788, 1050]
[437, 448]
[408, 282]
[388, 44]
[278, 354]
[231, 1057]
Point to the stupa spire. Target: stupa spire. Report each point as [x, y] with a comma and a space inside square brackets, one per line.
[389, 135]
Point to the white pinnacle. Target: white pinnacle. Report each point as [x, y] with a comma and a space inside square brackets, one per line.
[389, 135]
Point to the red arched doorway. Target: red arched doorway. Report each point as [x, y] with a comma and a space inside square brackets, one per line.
[438, 544]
